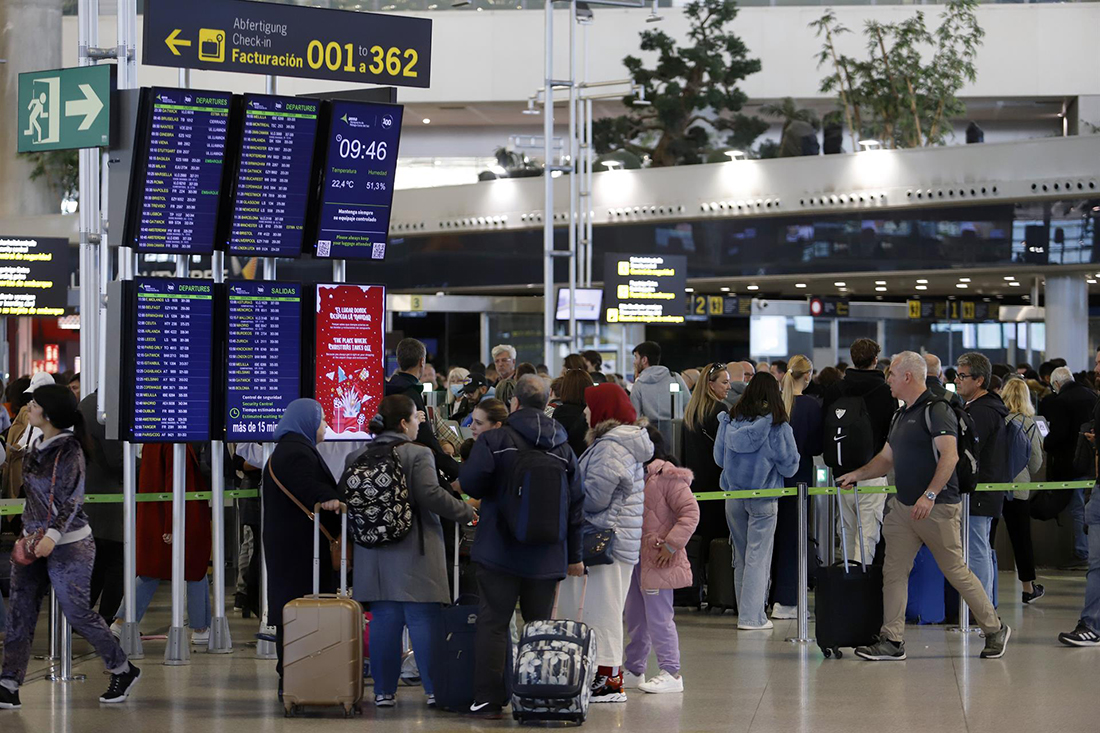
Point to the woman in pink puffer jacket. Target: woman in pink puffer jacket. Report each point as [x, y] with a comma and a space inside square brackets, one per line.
[671, 515]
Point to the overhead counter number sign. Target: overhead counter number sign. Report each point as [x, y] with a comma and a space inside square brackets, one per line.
[289, 40]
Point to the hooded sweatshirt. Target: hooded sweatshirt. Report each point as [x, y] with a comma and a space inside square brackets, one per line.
[613, 473]
[650, 394]
[487, 473]
[754, 454]
[989, 412]
[870, 384]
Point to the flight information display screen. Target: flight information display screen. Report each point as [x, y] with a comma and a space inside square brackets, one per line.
[271, 190]
[180, 172]
[265, 357]
[357, 180]
[173, 360]
[349, 351]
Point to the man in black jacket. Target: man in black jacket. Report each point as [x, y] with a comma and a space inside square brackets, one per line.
[988, 412]
[863, 380]
[1066, 411]
[411, 356]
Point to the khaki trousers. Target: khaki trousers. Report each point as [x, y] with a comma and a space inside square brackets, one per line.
[941, 531]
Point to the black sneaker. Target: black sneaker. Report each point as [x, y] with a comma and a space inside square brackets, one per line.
[9, 700]
[995, 644]
[121, 685]
[883, 650]
[1038, 592]
[1076, 564]
[1081, 636]
[486, 710]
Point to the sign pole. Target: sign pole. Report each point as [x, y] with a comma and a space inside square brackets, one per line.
[221, 642]
[265, 639]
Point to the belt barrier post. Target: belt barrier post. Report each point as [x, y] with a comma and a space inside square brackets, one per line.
[65, 650]
[264, 649]
[803, 567]
[964, 610]
[178, 650]
[53, 628]
[131, 637]
[220, 640]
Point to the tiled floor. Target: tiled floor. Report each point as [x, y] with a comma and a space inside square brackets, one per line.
[735, 681]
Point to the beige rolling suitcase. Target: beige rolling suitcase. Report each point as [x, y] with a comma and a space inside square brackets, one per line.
[323, 639]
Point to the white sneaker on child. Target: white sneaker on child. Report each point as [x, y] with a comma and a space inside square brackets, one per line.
[663, 682]
[632, 681]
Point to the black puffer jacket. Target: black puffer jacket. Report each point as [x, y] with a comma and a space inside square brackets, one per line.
[571, 416]
[989, 413]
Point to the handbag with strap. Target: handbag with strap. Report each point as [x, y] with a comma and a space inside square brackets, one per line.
[24, 551]
[333, 542]
[599, 543]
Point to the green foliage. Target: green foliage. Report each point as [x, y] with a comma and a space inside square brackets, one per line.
[893, 95]
[60, 168]
[789, 112]
[696, 104]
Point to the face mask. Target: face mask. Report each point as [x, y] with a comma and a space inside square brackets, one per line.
[456, 390]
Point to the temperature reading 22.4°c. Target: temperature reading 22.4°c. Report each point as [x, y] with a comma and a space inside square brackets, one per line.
[357, 150]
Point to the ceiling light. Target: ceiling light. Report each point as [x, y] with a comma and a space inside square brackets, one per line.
[1009, 278]
[922, 287]
[844, 290]
[1014, 284]
[735, 154]
[964, 279]
[961, 286]
[870, 145]
[880, 289]
[725, 290]
[689, 290]
[499, 170]
[613, 165]
[754, 287]
[922, 282]
[800, 285]
[840, 285]
[1090, 281]
[880, 282]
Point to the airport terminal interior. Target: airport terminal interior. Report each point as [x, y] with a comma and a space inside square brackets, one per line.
[440, 365]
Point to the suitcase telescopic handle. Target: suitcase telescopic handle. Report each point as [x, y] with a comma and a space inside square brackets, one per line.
[584, 593]
[859, 528]
[343, 510]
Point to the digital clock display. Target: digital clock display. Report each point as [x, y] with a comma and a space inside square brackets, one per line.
[357, 183]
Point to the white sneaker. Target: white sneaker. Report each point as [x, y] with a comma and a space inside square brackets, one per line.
[200, 638]
[746, 627]
[632, 681]
[663, 682]
[779, 611]
[116, 629]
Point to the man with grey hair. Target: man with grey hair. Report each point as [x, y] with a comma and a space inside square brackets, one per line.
[741, 372]
[988, 411]
[934, 380]
[504, 359]
[507, 568]
[922, 449]
[1066, 411]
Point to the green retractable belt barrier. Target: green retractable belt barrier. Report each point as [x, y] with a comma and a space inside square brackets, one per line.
[9, 507]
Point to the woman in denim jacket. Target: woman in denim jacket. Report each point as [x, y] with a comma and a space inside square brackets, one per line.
[755, 448]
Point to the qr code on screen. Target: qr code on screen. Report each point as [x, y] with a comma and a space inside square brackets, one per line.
[378, 251]
[324, 247]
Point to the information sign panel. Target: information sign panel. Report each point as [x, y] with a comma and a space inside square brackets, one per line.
[34, 276]
[349, 350]
[644, 288]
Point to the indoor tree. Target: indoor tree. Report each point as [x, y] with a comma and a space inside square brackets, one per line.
[694, 104]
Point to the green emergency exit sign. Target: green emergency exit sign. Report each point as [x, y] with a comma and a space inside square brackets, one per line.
[65, 108]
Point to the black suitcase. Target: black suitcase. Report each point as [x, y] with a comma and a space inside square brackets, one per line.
[692, 596]
[721, 595]
[847, 601]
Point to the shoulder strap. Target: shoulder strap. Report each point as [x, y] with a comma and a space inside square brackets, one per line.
[521, 442]
[297, 503]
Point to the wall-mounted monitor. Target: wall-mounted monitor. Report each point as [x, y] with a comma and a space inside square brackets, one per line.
[589, 302]
[356, 180]
[179, 158]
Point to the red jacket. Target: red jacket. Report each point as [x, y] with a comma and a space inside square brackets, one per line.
[671, 514]
[154, 519]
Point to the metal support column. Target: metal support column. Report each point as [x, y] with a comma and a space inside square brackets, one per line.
[265, 639]
[178, 650]
[548, 192]
[131, 637]
[803, 636]
[220, 640]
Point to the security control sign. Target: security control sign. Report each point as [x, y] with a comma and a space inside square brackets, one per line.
[644, 288]
[34, 276]
[289, 40]
[64, 109]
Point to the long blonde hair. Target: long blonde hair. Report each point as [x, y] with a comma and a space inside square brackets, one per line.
[702, 399]
[1017, 397]
[456, 376]
[797, 368]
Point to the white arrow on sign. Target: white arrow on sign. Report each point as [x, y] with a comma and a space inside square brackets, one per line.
[89, 107]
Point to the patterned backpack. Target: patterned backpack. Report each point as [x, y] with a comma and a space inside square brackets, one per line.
[380, 509]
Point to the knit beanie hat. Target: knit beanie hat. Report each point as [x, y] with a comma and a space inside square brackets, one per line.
[609, 402]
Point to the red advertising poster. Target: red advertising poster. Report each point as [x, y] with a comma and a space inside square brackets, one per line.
[350, 352]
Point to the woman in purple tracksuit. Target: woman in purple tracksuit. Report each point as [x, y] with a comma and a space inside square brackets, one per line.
[54, 467]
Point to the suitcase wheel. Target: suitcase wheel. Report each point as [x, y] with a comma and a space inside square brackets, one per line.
[839, 654]
[827, 652]
[349, 710]
[290, 711]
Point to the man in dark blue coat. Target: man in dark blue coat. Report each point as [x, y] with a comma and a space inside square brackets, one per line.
[507, 569]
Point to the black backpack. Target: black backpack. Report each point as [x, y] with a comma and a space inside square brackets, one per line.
[380, 509]
[849, 438]
[535, 503]
[967, 468]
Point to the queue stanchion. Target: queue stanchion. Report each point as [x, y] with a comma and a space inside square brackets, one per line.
[265, 644]
[53, 628]
[178, 650]
[65, 652]
[964, 610]
[803, 636]
[220, 640]
[131, 637]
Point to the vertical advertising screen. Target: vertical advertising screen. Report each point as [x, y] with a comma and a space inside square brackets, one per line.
[179, 171]
[271, 189]
[349, 351]
[172, 360]
[357, 180]
[265, 357]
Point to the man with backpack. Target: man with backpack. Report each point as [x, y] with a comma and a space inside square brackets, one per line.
[529, 536]
[926, 441]
[411, 358]
[988, 411]
[857, 414]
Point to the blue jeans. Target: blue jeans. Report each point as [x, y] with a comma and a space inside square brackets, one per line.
[752, 529]
[389, 620]
[1076, 511]
[1091, 615]
[198, 601]
[980, 558]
